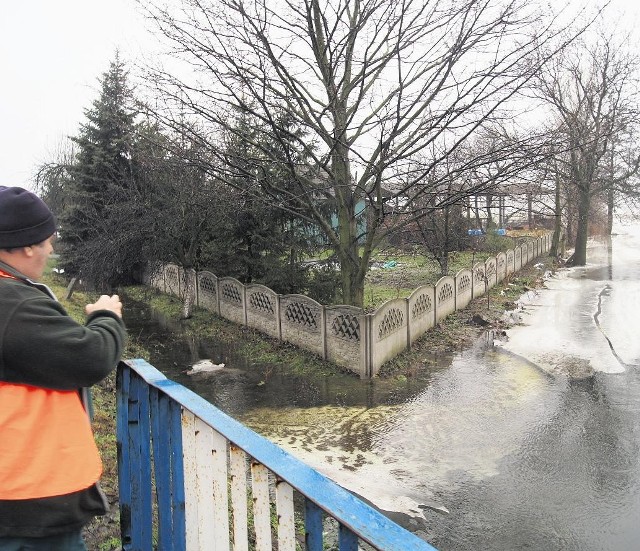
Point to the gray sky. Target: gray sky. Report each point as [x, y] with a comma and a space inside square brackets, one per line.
[52, 54]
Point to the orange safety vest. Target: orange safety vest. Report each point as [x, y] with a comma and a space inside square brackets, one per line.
[46, 444]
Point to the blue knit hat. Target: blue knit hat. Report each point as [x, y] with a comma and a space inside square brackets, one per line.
[24, 218]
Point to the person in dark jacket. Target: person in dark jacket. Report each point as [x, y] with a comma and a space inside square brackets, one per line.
[49, 463]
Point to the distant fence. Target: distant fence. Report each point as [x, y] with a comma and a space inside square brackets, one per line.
[192, 478]
[346, 335]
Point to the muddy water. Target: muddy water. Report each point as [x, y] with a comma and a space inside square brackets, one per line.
[494, 449]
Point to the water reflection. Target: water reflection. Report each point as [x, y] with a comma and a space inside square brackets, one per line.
[572, 484]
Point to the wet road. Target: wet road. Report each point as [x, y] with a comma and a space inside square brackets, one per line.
[533, 444]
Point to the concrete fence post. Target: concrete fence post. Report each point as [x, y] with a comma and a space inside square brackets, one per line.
[323, 332]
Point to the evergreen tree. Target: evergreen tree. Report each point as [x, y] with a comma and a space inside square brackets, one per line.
[98, 242]
[298, 235]
[264, 243]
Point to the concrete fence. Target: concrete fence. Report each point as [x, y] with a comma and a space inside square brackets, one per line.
[345, 335]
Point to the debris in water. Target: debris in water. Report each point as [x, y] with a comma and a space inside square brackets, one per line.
[204, 366]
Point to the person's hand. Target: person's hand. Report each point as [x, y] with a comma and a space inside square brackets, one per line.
[105, 302]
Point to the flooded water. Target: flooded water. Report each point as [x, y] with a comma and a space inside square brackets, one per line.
[532, 444]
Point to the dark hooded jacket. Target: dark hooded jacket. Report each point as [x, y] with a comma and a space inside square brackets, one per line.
[43, 352]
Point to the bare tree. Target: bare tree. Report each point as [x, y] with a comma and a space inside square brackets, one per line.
[592, 89]
[438, 207]
[372, 82]
[442, 230]
[51, 178]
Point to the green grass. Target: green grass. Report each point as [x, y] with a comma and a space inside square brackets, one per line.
[413, 270]
[410, 272]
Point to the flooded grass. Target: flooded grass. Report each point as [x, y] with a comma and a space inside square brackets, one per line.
[246, 341]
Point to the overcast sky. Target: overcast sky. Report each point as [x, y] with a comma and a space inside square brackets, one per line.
[52, 53]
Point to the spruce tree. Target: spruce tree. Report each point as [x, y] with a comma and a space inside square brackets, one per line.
[268, 243]
[97, 242]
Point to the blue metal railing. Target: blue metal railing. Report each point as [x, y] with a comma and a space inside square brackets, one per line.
[188, 473]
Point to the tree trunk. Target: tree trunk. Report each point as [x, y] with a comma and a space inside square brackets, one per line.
[489, 202]
[557, 227]
[610, 210]
[444, 263]
[352, 281]
[188, 293]
[579, 257]
[249, 265]
[477, 212]
[352, 274]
